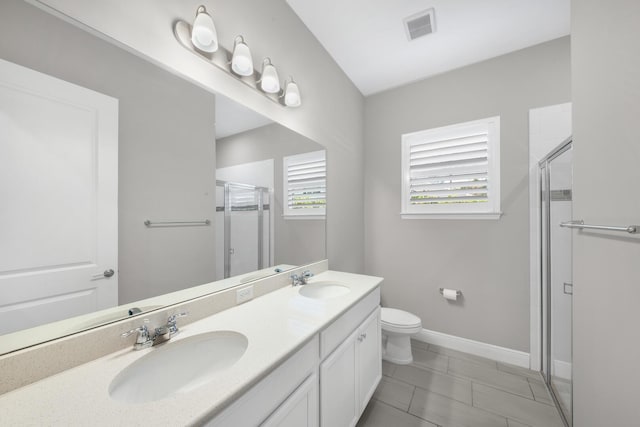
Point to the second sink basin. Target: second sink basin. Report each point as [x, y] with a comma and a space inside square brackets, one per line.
[323, 290]
[178, 367]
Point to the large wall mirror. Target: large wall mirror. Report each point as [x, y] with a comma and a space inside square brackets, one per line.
[125, 188]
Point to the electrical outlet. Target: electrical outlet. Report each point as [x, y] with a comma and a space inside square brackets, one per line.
[244, 294]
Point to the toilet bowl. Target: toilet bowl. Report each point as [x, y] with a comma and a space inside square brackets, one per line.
[397, 328]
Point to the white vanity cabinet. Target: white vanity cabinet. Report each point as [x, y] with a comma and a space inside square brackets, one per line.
[328, 382]
[300, 409]
[350, 375]
[288, 396]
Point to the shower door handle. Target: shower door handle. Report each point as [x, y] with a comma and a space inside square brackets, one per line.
[568, 288]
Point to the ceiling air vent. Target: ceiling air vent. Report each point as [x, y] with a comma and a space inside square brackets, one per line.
[419, 25]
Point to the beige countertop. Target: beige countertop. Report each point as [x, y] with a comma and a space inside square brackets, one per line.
[276, 325]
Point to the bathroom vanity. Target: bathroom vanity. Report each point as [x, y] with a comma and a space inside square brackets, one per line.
[309, 356]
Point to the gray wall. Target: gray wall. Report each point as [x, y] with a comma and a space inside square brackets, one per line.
[166, 147]
[487, 259]
[332, 110]
[606, 109]
[298, 241]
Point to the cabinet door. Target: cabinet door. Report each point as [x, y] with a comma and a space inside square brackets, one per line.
[369, 358]
[339, 386]
[300, 409]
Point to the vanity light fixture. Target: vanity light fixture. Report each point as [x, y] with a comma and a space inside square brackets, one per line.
[241, 61]
[203, 32]
[269, 80]
[292, 94]
[201, 39]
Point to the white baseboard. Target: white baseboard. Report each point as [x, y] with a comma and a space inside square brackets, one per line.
[477, 348]
[562, 369]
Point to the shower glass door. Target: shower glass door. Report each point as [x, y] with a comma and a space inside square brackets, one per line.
[243, 228]
[557, 286]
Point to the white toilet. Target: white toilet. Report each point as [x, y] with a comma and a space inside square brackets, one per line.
[397, 328]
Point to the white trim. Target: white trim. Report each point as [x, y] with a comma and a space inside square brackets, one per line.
[299, 217]
[562, 369]
[548, 127]
[474, 215]
[477, 348]
[489, 125]
[296, 159]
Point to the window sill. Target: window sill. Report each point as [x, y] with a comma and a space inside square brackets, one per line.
[297, 217]
[470, 215]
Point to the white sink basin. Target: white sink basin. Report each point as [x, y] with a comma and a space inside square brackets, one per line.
[324, 290]
[178, 367]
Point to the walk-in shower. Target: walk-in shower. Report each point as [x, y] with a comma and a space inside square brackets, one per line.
[244, 238]
[557, 284]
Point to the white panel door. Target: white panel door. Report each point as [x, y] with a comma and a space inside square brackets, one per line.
[58, 199]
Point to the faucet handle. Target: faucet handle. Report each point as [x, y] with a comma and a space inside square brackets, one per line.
[172, 319]
[171, 323]
[143, 339]
[306, 274]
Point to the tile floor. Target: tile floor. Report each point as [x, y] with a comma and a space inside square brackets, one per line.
[444, 387]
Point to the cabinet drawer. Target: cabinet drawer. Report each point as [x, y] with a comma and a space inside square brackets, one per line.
[344, 325]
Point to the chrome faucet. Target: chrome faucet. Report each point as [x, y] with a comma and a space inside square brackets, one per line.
[297, 280]
[164, 333]
[143, 340]
[161, 333]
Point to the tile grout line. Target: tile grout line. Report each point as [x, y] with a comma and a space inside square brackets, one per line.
[498, 387]
[548, 396]
[508, 392]
[496, 412]
[506, 418]
[413, 393]
[416, 416]
[472, 395]
[431, 391]
[528, 379]
[463, 403]
[531, 388]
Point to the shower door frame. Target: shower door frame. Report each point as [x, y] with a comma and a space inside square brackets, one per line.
[227, 223]
[545, 276]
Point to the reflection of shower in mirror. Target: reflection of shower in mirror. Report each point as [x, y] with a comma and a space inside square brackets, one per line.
[243, 229]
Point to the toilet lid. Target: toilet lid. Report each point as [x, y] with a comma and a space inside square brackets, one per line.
[400, 318]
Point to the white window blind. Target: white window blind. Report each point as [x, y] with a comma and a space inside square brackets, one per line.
[305, 184]
[452, 171]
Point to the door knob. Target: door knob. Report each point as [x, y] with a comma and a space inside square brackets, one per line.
[109, 273]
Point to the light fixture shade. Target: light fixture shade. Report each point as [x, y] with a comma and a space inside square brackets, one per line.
[292, 95]
[203, 32]
[269, 82]
[241, 61]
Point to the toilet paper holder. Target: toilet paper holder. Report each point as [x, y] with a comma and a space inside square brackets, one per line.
[458, 293]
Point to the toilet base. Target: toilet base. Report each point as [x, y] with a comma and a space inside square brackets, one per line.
[396, 348]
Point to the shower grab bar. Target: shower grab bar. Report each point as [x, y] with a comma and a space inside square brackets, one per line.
[149, 223]
[631, 229]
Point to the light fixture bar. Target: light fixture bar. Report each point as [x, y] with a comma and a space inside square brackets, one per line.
[223, 59]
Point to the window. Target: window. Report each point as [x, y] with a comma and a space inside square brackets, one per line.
[305, 185]
[452, 172]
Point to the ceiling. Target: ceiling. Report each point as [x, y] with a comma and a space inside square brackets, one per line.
[367, 38]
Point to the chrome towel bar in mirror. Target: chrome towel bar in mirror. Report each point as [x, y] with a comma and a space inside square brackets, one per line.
[579, 224]
[149, 223]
